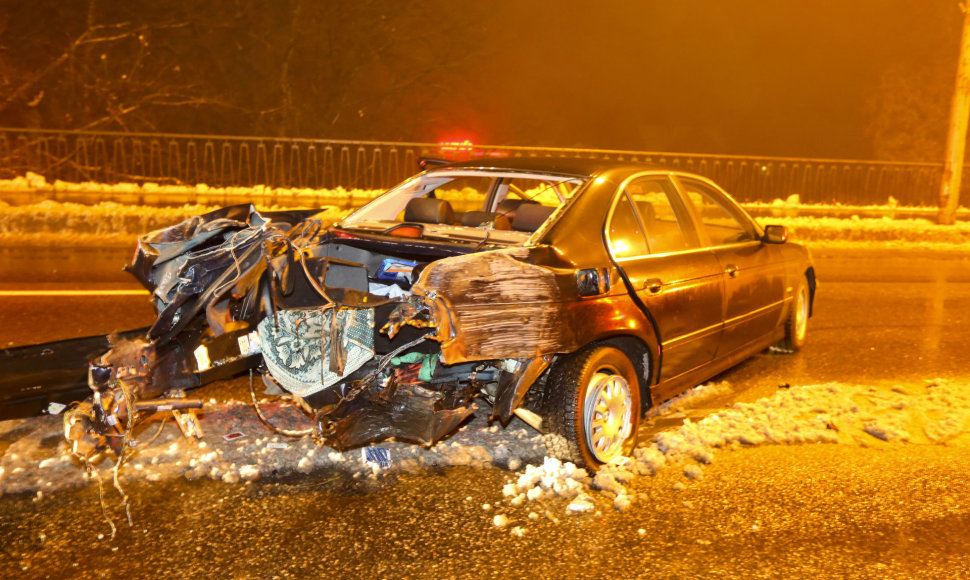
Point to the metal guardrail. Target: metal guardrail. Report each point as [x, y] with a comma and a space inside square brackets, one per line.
[310, 163]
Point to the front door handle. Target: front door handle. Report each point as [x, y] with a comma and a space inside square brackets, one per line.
[653, 285]
[732, 271]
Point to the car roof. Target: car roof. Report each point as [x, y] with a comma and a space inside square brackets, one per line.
[560, 165]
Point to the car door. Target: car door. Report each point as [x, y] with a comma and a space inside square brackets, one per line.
[652, 240]
[753, 272]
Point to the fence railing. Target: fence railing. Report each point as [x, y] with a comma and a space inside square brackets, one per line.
[311, 163]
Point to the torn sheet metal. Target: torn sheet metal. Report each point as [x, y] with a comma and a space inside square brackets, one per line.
[411, 412]
[514, 384]
[497, 306]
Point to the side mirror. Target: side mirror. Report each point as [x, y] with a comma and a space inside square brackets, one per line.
[775, 235]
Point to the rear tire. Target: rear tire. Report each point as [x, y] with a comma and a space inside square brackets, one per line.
[796, 326]
[591, 407]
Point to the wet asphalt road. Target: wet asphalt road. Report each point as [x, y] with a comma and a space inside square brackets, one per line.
[893, 511]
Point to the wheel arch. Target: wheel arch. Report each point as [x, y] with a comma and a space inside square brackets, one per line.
[810, 276]
[644, 361]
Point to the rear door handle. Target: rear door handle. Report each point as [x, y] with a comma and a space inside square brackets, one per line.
[732, 270]
[653, 285]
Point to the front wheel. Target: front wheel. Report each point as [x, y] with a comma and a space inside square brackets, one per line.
[796, 326]
[592, 406]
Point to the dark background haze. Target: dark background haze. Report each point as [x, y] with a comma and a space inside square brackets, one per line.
[865, 79]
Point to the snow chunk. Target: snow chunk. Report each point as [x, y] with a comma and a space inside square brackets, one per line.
[249, 472]
[583, 503]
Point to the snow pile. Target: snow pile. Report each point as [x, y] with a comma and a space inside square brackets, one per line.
[164, 193]
[107, 219]
[699, 397]
[141, 210]
[832, 413]
[551, 479]
[106, 223]
[34, 456]
[855, 231]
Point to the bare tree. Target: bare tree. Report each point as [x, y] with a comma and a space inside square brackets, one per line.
[908, 112]
[109, 65]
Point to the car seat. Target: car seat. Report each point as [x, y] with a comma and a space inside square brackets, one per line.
[509, 207]
[429, 211]
[530, 216]
[474, 219]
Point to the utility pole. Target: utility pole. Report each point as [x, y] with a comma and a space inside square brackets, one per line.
[957, 141]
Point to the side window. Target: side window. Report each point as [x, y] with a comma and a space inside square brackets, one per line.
[664, 232]
[625, 233]
[723, 227]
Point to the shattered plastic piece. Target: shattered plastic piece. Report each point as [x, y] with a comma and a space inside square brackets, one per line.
[202, 357]
[234, 435]
[379, 456]
[396, 270]
[388, 290]
[55, 408]
[410, 412]
[427, 366]
[188, 422]
[248, 343]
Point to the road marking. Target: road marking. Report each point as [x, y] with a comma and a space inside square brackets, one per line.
[73, 293]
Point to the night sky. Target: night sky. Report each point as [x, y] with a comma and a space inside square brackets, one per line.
[863, 79]
[779, 77]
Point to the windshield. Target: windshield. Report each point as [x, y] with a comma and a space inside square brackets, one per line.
[510, 204]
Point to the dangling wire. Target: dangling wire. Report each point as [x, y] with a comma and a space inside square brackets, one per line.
[90, 468]
[259, 413]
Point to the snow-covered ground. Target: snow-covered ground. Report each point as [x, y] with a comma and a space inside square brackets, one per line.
[937, 412]
[236, 446]
[112, 223]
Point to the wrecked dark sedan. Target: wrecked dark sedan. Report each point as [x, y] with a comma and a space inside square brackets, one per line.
[572, 293]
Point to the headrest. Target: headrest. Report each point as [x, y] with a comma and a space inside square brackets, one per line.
[530, 216]
[508, 207]
[429, 211]
[474, 219]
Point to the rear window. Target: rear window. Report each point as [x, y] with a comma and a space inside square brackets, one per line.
[466, 192]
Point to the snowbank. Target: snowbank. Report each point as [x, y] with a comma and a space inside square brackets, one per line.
[103, 224]
[36, 186]
[36, 460]
[937, 412]
[884, 232]
[34, 456]
[110, 223]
